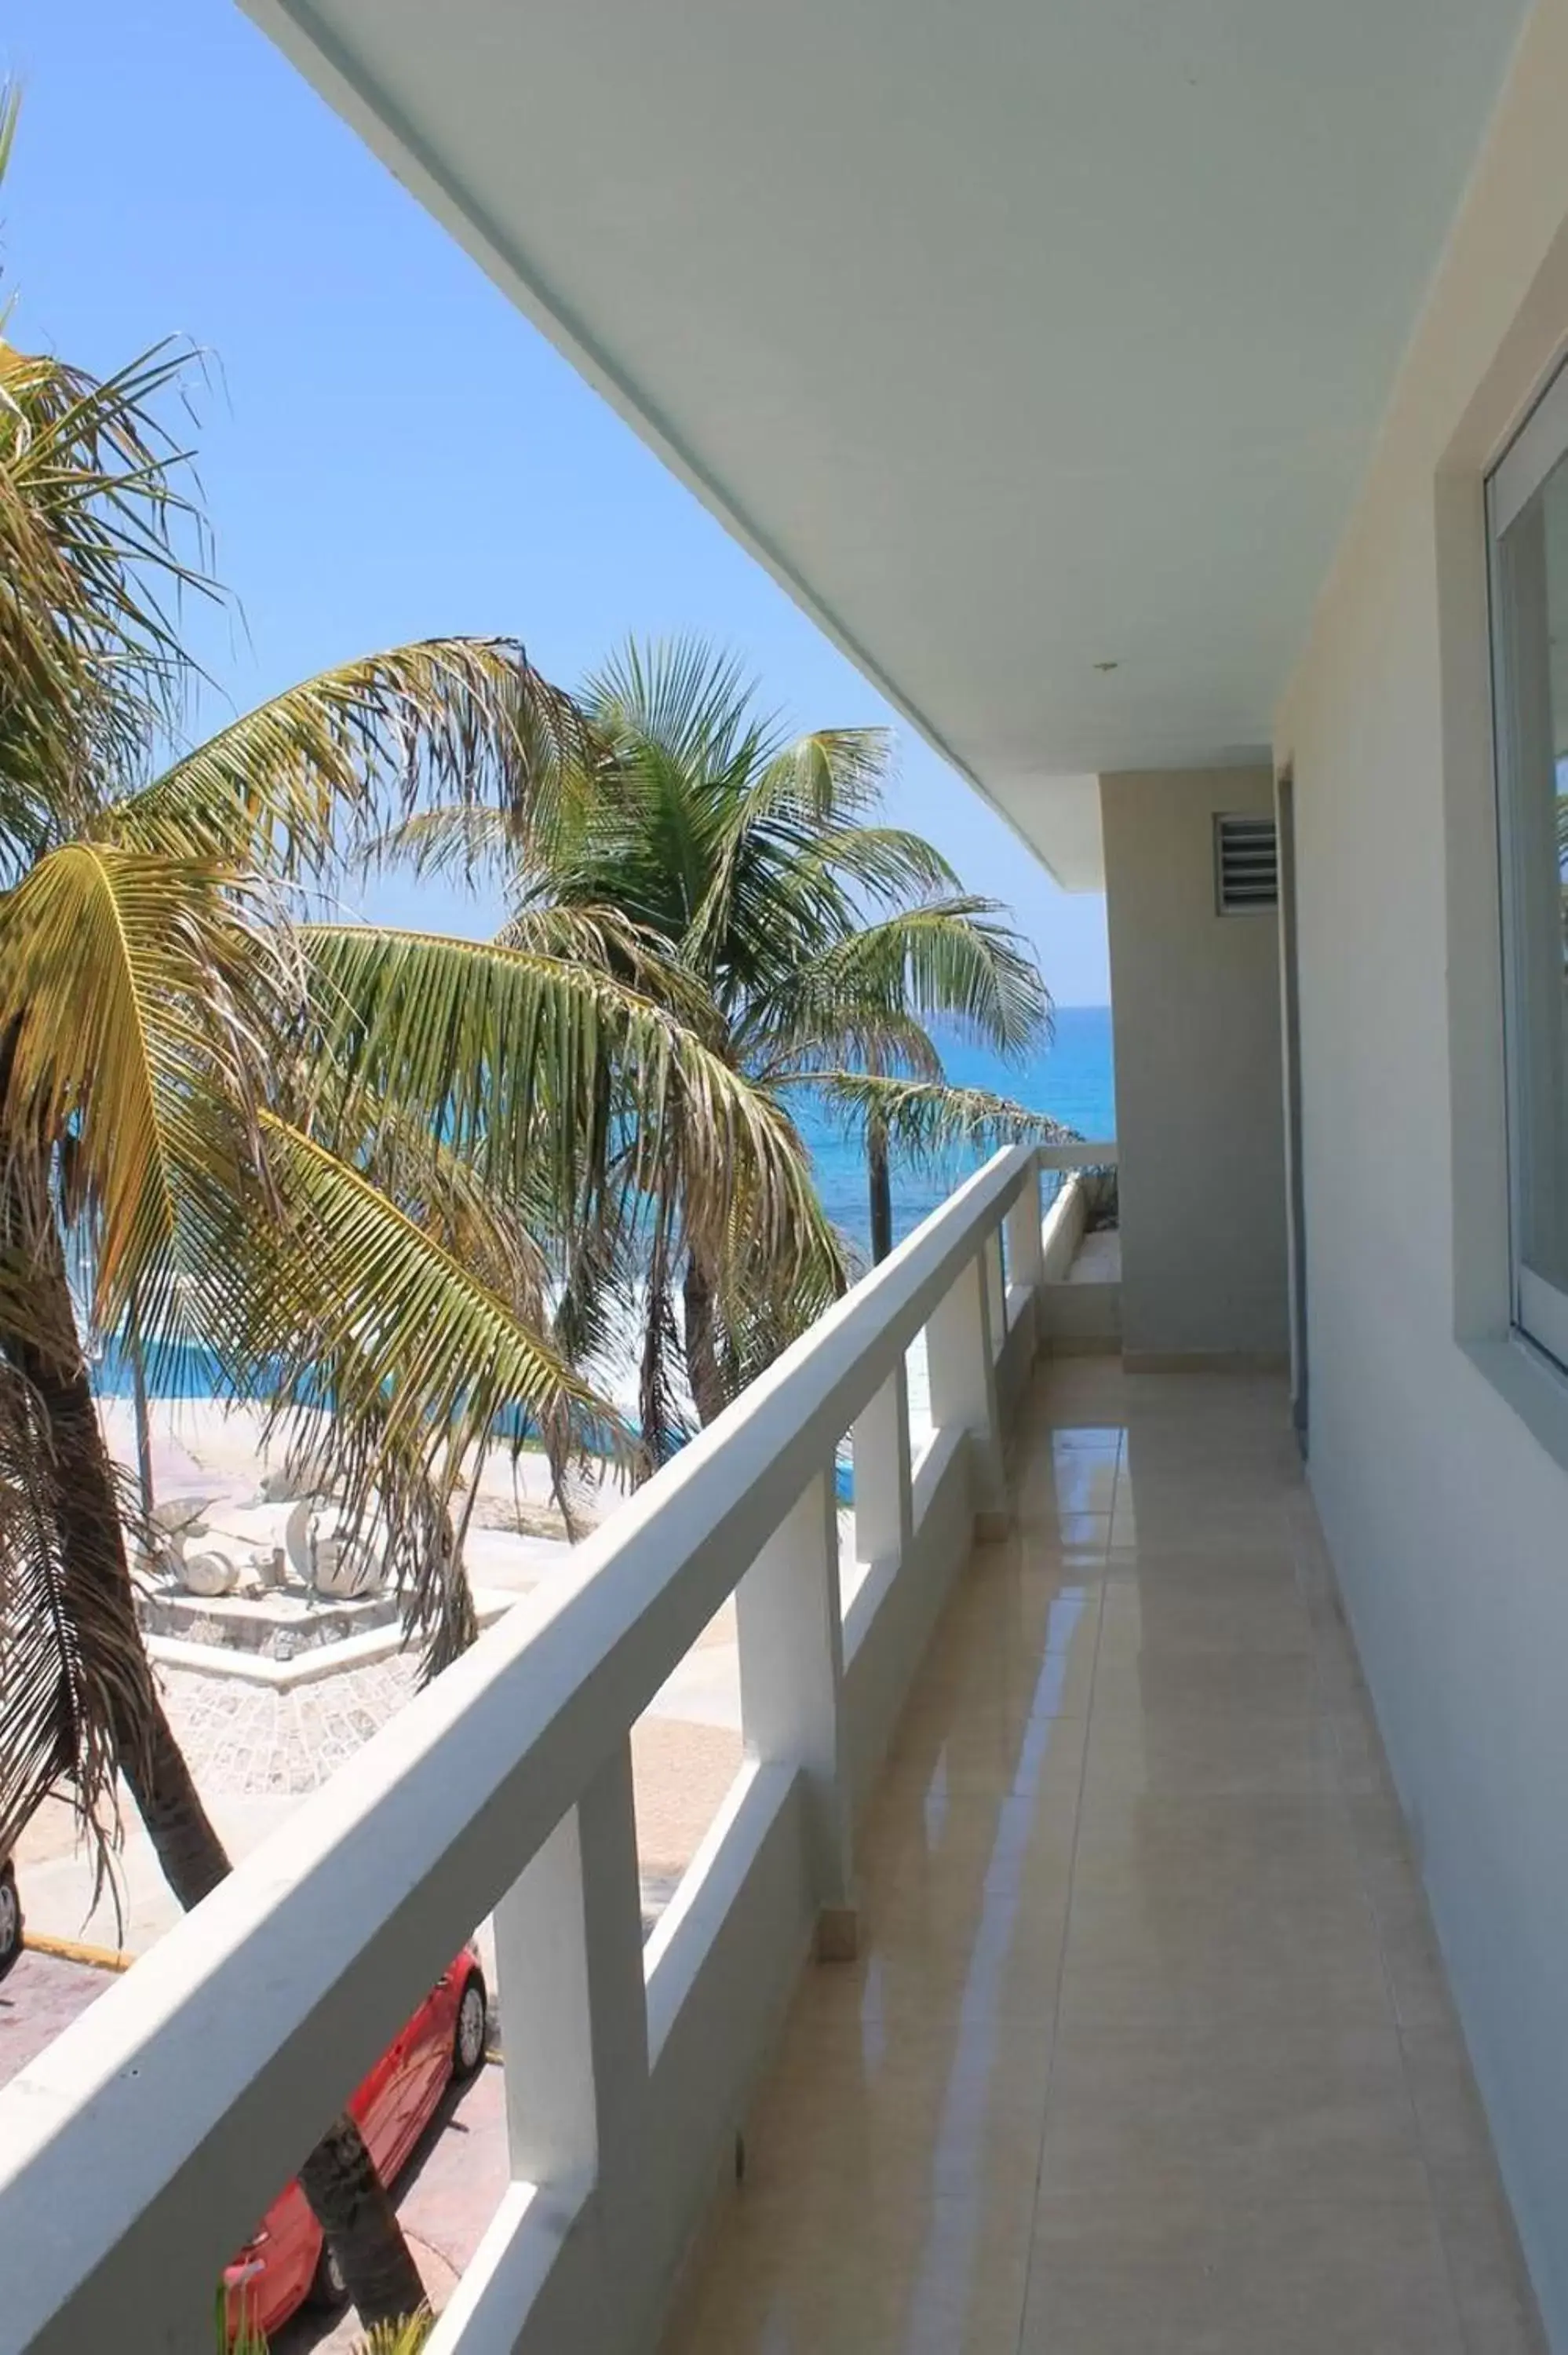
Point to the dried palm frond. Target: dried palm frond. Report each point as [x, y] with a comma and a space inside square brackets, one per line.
[344, 752]
[73, 1671]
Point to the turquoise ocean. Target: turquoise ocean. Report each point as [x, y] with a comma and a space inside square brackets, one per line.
[1071, 1080]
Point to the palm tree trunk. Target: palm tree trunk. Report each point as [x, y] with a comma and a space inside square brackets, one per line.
[143, 1421]
[556, 1432]
[658, 1429]
[881, 1189]
[708, 1393]
[339, 2179]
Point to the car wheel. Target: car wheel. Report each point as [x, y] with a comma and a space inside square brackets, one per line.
[328, 2289]
[10, 1919]
[470, 2035]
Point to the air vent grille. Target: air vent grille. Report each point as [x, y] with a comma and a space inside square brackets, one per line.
[1246, 865]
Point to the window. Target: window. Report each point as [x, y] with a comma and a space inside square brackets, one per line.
[1528, 520]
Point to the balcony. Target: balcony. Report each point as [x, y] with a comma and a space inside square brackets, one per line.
[1124, 2027]
[1148, 2042]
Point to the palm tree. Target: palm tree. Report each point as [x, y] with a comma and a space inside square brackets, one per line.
[825, 943]
[337, 1159]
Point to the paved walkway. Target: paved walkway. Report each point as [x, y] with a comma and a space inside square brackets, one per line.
[1148, 2049]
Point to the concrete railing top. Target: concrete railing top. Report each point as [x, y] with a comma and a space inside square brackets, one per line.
[1087, 1154]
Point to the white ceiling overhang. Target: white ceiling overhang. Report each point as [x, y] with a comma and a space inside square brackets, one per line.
[1018, 340]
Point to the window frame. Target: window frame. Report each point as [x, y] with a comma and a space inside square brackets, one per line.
[1538, 1308]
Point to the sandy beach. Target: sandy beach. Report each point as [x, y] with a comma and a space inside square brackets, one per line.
[256, 1751]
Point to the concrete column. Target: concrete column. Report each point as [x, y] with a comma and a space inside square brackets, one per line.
[963, 1387]
[569, 1955]
[884, 1506]
[791, 1628]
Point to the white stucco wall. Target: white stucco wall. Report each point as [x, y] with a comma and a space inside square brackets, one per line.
[1199, 1104]
[1436, 1447]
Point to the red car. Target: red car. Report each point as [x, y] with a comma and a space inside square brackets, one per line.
[287, 2263]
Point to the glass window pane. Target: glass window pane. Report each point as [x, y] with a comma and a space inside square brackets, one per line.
[1532, 584]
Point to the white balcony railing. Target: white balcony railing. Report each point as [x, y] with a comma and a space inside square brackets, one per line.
[137, 2152]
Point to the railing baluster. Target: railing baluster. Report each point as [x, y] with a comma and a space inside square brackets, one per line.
[791, 1629]
[884, 1506]
[963, 1387]
[569, 1953]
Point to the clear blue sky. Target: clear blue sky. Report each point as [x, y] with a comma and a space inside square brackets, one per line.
[388, 449]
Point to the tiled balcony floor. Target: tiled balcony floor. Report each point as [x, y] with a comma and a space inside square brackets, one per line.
[1148, 2049]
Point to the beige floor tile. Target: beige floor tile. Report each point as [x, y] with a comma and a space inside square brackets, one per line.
[1002, 1641]
[945, 2275]
[1190, 1908]
[1050, 1527]
[971, 1853]
[989, 1727]
[1164, 1507]
[1278, 1850]
[1068, 1438]
[1011, 1616]
[1224, 1580]
[949, 1838]
[1232, 1749]
[1180, 1974]
[1047, 1761]
[985, 1690]
[1238, 2279]
[943, 2108]
[1218, 1524]
[1139, 1928]
[1227, 2112]
[1138, 1682]
[1043, 1553]
[996, 1955]
[1071, 1480]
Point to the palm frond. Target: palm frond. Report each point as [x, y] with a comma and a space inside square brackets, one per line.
[605, 938]
[397, 2338]
[73, 1673]
[829, 777]
[522, 1061]
[385, 1362]
[100, 539]
[953, 960]
[464, 840]
[142, 1006]
[462, 720]
[885, 864]
[682, 696]
[930, 1122]
[443, 1193]
[760, 1306]
[10, 115]
[782, 1040]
